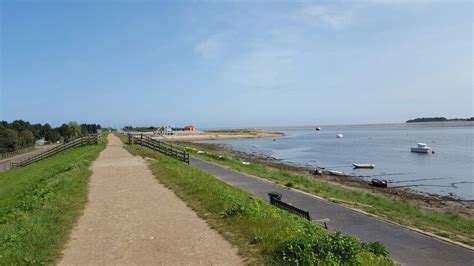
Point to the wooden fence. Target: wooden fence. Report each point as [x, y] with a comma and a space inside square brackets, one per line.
[13, 153]
[160, 146]
[91, 139]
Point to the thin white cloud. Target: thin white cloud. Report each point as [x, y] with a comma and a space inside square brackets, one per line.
[210, 48]
[325, 15]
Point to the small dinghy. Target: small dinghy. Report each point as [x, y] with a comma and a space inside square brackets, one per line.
[364, 165]
[338, 173]
[421, 148]
[339, 136]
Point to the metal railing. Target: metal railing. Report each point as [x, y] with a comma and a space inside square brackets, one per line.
[289, 208]
[159, 146]
[275, 200]
[91, 139]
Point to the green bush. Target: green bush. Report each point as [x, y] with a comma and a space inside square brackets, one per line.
[311, 248]
[376, 248]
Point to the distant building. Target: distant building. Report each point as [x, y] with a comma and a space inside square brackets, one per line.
[40, 142]
[189, 128]
[164, 130]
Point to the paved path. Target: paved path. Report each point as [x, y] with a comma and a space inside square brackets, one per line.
[405, 246]
[132, 219]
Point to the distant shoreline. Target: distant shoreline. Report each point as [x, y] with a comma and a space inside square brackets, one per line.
[438, 119]
[223, 134]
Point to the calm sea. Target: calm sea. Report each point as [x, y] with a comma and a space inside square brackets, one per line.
[449, 170]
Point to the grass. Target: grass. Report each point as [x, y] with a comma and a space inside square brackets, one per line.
[403, 212]
[39, 204]
[264, 234]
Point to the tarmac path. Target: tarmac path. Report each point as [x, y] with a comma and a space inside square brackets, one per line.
[133, 219]
[405, 246]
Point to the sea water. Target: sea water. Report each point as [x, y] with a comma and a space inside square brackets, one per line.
[447, 171]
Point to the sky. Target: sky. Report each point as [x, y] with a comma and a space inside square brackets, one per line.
[235, 63]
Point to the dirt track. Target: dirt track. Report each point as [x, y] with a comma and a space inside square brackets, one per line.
[132, 219]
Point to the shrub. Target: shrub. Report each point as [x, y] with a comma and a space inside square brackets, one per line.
[376, 248]
[312, 248]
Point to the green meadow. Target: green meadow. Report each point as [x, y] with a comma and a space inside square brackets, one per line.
[39, 204]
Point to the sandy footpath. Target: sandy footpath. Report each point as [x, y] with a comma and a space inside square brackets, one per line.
[132, 219]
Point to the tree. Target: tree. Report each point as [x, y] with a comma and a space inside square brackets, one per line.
[37, 130]
[53, 136]
[26, 138]
[65, 131]
[75, 129]
[8, 139]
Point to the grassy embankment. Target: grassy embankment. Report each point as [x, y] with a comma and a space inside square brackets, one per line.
[264, 234]
[403, 212]
[39, 204]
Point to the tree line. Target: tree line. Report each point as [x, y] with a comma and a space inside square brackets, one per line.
[437, 119]
[21, 134]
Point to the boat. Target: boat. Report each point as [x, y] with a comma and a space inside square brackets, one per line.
[318, 129]
[421, 148]
[339, 136]
[364, 165]
[332, 172]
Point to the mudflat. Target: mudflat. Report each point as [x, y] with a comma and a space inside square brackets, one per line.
[133, 219]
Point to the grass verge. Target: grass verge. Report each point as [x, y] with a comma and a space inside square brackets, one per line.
[39, 204]
[263, 233]
[445, 224]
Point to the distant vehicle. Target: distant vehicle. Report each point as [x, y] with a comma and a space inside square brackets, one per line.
[364, 165]
[318, 129]
[339, 136]
[421, 148]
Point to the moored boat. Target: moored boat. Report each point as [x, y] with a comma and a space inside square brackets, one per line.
[378, 183]
[339, 136]
[318, 129]
[364, 165]
[421, 148]
[332, 172]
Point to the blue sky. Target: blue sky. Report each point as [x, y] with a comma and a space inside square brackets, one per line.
[235, 63]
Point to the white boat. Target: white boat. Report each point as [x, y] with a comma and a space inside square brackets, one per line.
[421, 148]
[339, 136]
[364, 165]
[318, 129]
[333, 172]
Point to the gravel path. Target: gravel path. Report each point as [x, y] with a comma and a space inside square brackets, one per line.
[132, 219]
